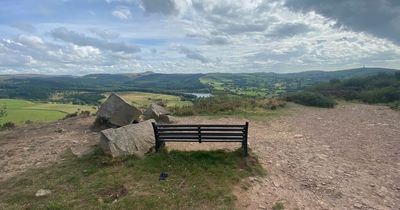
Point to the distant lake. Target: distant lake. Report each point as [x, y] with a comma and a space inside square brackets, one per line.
[201, 95]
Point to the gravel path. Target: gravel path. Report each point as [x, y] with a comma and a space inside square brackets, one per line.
[342, 158]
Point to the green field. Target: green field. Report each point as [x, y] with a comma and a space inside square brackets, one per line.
[142, 99]
[19, 111]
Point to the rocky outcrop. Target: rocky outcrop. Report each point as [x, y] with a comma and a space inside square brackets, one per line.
[135, 139]
[118, 112]
[157, 112]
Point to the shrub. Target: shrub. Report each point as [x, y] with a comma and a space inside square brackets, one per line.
[380, 95]
[71, 115]
[395, 105]
[226, 104]
[84, 113]
[8, 125]
[272, 103]
[312, 99]
[182, 110]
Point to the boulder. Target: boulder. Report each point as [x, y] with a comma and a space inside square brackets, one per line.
[117, 112]
[157, 112]
[134, 139]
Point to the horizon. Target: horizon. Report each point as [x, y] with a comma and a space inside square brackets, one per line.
[153, 72]
[71, 37]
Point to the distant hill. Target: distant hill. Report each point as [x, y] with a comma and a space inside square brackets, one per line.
[262, 84]
[32, 86]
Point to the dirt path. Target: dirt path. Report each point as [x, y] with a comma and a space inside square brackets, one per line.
[342, 158]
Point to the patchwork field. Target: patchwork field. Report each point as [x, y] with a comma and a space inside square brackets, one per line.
[142, 99]
[20, 111]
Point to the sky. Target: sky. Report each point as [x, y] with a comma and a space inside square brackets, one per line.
[80, 37]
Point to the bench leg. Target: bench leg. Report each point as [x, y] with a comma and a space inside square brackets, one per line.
[159, 144]
[244, 147]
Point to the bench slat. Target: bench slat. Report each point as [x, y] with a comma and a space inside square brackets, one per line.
[196, 137]
[206, 140]
[200, 133]
[195, 126]
[196, 129]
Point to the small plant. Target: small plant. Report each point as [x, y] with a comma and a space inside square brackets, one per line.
[395, 105]
[71, 115]
[3, 112]
[84, 113]
[278, 206]
[8, 125]
[28, 122]
[182, 110]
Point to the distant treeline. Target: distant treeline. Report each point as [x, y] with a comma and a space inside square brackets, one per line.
[89, 89]
[381, 88]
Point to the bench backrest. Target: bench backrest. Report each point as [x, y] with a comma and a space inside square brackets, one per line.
[201, 133]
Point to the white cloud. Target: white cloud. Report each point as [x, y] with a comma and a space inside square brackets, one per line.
[25, 27]
[82, 40]
[104, 33]
[122, 12]
[201, 36]
[193, 54]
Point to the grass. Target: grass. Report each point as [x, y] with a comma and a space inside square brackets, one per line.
[197, 180]
[255, 114]
[142, 99]
[233, 106]
[19, 111]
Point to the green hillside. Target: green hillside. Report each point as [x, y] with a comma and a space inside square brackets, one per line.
[20, 111]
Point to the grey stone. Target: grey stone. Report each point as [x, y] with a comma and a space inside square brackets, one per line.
[82, 150]
[135, 139]
[157, 112]
[118, 112]
[358, 205]
[42, 192]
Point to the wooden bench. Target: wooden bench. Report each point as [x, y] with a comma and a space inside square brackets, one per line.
[200, 133]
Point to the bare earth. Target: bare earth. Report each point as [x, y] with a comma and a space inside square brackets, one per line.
[42, 144]
[342, 158]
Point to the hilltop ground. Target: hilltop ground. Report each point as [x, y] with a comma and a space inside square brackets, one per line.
[342, 158]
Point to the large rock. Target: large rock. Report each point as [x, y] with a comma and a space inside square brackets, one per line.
[135, 139]
[118, 112]
[157, 112]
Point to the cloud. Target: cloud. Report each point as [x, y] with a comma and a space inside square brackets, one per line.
[218, 40]
[289, 30]
[32, 54]
[104, 33]
[202, 36]
[122, 1]
[122, 12]
[30, 40]
[380, 18]
[193, 54]
[165, 7]
[82, 40]
[25, 27]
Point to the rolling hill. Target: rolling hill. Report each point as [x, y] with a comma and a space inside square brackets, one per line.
[42, 87]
